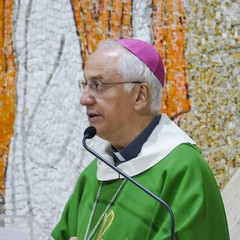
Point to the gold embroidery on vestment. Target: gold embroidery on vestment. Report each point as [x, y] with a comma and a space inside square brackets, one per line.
[107, 221]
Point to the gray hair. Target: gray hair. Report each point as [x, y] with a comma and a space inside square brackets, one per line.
[133, 69]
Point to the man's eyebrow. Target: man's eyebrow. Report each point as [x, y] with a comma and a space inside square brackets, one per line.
[95, 78]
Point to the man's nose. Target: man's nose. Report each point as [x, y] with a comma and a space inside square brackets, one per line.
[86, 98]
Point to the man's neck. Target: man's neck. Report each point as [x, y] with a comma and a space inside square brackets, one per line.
[131, 132]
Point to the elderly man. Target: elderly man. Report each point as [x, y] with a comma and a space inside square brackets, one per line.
[122, 94]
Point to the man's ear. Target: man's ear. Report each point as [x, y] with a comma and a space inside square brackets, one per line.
[142, 101]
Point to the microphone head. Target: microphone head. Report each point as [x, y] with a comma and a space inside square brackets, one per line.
[90, 132]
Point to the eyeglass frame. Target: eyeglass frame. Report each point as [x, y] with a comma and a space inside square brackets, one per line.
[83, 85]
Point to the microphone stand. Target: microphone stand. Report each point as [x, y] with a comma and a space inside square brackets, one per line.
[134, 182]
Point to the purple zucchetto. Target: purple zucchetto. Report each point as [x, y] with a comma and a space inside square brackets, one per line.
[147, 54]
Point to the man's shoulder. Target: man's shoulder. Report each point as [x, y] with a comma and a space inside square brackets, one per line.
[187, 150]
[88, 174]
[185, 155]
[91, 167]
[185, 161]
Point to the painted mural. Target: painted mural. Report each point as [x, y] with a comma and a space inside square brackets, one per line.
[43, 48]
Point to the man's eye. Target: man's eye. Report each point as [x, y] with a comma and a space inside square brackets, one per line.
[97, 85]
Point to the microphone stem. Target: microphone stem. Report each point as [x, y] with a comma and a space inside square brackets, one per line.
[134, 182]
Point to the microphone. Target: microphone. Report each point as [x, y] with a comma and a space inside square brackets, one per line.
[89, 133]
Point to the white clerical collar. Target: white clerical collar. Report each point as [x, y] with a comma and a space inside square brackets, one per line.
[165, 137]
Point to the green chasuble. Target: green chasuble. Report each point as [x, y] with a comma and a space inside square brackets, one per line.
[182, 179]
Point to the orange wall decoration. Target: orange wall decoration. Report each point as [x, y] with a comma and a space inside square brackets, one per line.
[169, 29]
[7, 86]
[97, 20]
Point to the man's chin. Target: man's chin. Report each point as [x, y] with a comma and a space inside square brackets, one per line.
[102, 134]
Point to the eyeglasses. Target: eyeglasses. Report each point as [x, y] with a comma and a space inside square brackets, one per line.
[96, 88]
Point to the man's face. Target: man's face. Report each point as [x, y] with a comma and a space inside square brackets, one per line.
[111, 111]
